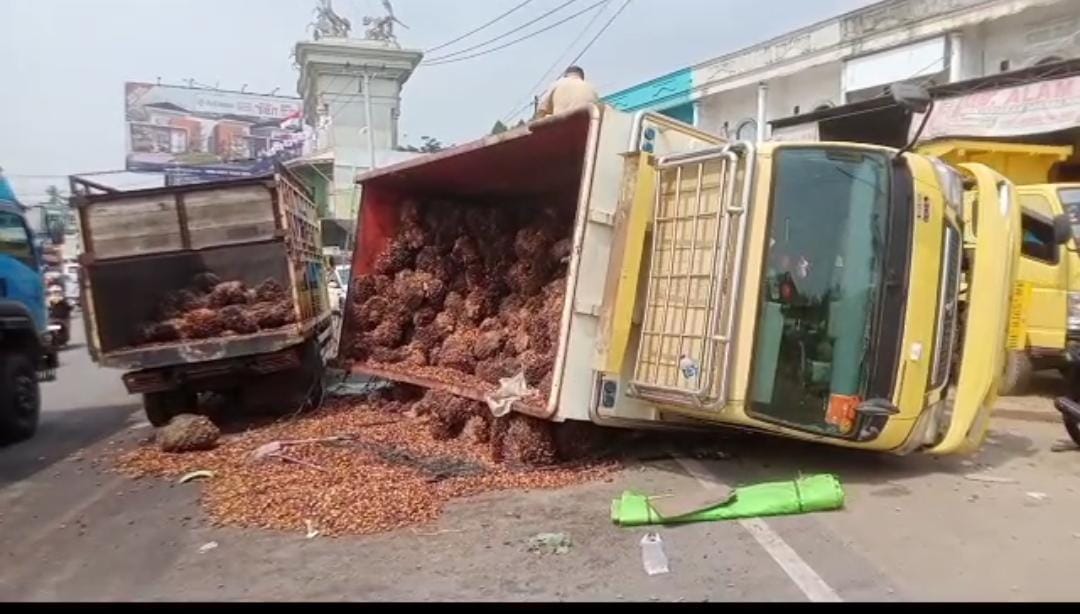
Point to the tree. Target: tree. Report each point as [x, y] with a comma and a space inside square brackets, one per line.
[499, 127]
[428, 144]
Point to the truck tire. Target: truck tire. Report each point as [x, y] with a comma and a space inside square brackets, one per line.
[20, 397]
[286, 392]
[160, 407]
[1017, 376]
[1072, 427]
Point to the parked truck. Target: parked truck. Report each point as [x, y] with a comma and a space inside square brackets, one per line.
[27, 353]
[212, 287]
[819, 291]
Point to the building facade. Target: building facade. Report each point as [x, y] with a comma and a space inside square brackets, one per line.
[352, 99]
[855, 56]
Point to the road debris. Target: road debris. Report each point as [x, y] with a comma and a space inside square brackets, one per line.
[808, 494]
[550, 543]
[989, 479]
[312, 532]
[653, 557]
[1037, 496]
[207, 547]
[1064, 446]
[188, 433]
[681, 504]
[375, 479]
[195, 475]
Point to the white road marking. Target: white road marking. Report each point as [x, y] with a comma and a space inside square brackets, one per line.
[809, 582]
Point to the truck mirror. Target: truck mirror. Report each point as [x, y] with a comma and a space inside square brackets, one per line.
[912, 97]
[1062, 229]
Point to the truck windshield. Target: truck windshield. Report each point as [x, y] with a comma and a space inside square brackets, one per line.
[1070, 201]
[823, 271]
[14, 240]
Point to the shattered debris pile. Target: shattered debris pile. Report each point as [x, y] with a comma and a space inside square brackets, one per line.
[466, 293]
[362, 469]
[210, 307]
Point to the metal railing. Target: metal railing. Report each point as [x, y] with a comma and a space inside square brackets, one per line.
[695, 269]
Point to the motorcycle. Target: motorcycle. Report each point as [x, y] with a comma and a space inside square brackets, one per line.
[59, 317]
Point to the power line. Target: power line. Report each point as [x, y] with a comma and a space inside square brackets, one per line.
[543, 77]
[503, 35]
[587, 46]
[601, 32]
[478, 29]
[520, 39]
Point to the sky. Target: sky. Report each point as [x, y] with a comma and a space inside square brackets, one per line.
[65, 61]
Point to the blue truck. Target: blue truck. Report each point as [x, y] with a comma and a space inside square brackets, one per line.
[27, 355]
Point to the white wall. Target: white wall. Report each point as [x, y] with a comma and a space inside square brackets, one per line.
[1031, 35]
[804, 89]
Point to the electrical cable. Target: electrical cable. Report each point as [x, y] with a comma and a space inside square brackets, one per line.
[440, 62]
[478, 29]
[452, 57]
[601, 32]
[543, 77]
[589, 44]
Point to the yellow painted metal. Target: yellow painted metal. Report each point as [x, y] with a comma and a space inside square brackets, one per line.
[992, 278]
[631, 225]
[924, 279]
[683, 271]
[1021, 163]
[919, 322]
[1018, 311]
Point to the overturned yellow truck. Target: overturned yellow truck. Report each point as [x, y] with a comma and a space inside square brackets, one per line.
[818, 291]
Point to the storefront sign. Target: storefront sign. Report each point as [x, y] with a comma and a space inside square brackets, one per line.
[1033, 108]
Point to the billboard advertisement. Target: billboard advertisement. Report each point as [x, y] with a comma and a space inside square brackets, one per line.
[201, 134]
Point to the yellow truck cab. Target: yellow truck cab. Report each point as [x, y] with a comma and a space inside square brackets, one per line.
[820, 291]
[832, 309]
[1049, 273]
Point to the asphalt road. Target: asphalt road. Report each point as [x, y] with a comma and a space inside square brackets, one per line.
[914, 528]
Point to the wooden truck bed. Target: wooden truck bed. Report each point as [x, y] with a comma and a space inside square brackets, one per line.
[140, 245]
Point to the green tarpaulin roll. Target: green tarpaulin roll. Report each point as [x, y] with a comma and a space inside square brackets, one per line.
[816, 493]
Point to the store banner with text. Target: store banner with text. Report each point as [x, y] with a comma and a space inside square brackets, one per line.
[1031, 108]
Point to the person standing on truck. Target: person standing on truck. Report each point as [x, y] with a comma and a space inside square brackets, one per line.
[570, 92]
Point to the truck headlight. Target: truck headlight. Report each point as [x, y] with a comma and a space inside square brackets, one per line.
[1073, 322]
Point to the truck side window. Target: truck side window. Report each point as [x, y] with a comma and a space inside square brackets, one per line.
[1038, 240]
[14, 239]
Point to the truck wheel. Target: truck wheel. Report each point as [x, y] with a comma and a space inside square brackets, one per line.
[20, 397]
[162, 406]
[1072, 427]
[1017, 375]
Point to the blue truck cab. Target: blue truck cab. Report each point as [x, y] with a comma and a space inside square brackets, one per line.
[26, 354]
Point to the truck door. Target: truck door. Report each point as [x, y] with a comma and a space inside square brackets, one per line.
[20, 277]
[698, 228]
[1043, 272]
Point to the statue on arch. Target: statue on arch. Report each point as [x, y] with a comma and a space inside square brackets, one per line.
[382, 28]
[329, 24]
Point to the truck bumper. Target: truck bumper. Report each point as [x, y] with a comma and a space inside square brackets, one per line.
[163, 379]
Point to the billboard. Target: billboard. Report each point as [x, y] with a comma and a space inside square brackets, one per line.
[204, 133]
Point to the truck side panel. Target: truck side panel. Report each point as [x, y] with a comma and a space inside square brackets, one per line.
[997, 251]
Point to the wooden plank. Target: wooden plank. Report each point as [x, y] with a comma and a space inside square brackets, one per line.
[477, 392]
